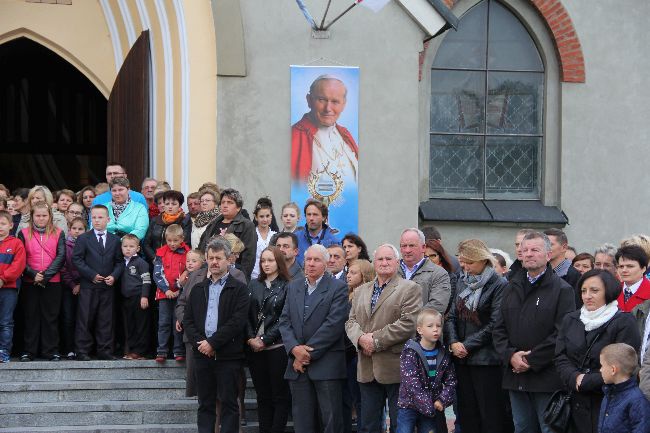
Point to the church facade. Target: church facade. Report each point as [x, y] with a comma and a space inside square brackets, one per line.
[529, 113]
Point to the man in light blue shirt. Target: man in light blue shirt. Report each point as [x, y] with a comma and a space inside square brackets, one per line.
[214, 322]
[113, 170]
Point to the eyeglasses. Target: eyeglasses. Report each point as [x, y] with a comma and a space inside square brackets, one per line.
[75, 212]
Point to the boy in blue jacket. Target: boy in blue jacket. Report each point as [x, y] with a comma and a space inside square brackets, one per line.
[624, 408]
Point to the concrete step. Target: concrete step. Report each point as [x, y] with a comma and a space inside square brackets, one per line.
[69, 391]
[44, 371]
[107, 428]
[254, 427]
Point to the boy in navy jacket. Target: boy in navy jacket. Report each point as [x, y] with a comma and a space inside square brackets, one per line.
[98, 258]
[135, 288]
[624, 408]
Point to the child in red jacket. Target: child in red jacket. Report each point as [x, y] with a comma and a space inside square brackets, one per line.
[12, 265]
[168, 266]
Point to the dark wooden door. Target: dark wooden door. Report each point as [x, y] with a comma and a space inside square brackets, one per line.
[128, 113]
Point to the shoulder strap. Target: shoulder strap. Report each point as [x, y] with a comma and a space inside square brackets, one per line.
[584, 359]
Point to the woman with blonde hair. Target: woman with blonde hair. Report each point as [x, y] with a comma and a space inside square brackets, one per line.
[360, 272]
[42, 194]
[468, 333]
[41, 292]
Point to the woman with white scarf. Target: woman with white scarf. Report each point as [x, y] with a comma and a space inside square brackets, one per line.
[482, 402]
[598, 322]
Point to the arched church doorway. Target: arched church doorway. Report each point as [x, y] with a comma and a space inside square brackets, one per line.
[53, 120]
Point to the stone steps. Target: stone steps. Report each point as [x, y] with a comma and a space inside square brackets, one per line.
[109, 428]
[95, 396]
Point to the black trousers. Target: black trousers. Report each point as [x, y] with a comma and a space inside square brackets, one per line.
[216, 380]
[68, 319]
[273, 397]
[95, 316]
[41, 306]
[137, 325]
[482, 403]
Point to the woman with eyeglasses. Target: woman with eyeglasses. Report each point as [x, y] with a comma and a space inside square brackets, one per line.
[208, 213]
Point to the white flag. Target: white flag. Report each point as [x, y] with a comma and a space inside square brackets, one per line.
[373, 5]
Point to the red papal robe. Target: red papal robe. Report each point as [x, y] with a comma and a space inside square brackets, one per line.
[302, 139]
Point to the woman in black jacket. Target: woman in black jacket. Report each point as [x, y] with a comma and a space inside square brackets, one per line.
[173, 214]
[267, 358]
[600, 322]
[468, 332]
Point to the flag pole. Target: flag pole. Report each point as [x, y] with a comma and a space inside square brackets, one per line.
[340, 15]
[322, 23]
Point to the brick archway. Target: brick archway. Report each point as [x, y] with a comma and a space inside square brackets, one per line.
[564, 35]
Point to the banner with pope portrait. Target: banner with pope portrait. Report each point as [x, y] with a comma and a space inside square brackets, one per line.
[325, 142]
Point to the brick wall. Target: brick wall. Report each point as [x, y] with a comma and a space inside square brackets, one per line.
[565, 38]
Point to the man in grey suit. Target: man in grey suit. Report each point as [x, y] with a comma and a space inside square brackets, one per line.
[313, 328]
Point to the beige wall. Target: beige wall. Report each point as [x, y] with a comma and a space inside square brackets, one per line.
[96, 36]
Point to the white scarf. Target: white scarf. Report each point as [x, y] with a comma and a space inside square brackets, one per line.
[597, 318]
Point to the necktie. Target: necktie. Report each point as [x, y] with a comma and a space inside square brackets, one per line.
[627, 294]
[100, 239]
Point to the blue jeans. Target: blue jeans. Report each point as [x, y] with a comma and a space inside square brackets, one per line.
[166, 326]
[409, 419]
[8, 299]
[528, 411]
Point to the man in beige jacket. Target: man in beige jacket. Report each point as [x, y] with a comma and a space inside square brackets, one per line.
[382, 318]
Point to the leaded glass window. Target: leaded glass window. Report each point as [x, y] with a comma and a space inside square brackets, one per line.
[487, 99]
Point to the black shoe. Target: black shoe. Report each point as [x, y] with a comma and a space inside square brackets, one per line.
[105, 357]
[55, 357]
[26, 357]
[82, 357]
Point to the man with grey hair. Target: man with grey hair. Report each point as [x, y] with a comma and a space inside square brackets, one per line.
[214, 322]
[414, 266]
[532, 309]
[317, 140]
[382, 319]
[605, 256]
[148, 191]
[312, 328]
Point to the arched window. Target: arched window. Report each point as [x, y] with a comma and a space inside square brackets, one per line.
[487, 126]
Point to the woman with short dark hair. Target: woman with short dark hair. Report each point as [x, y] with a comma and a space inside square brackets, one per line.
[598, 323]
[172, 214]
[126, 216]
[583, 262]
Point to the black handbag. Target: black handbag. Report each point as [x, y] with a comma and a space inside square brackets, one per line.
[557, 413]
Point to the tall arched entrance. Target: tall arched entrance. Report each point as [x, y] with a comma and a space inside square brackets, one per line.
[53, 120]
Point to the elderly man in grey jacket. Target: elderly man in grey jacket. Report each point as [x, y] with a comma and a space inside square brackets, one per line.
[414, 266]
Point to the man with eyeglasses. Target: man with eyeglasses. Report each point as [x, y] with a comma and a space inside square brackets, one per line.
[113, 170]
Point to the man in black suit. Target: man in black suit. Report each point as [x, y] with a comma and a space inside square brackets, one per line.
[313, 328]
[214, 323]
[98, 257]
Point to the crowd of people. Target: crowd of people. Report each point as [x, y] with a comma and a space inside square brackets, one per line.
[331, 334]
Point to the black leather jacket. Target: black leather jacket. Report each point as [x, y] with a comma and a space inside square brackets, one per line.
[266, 307]
[477, 337]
